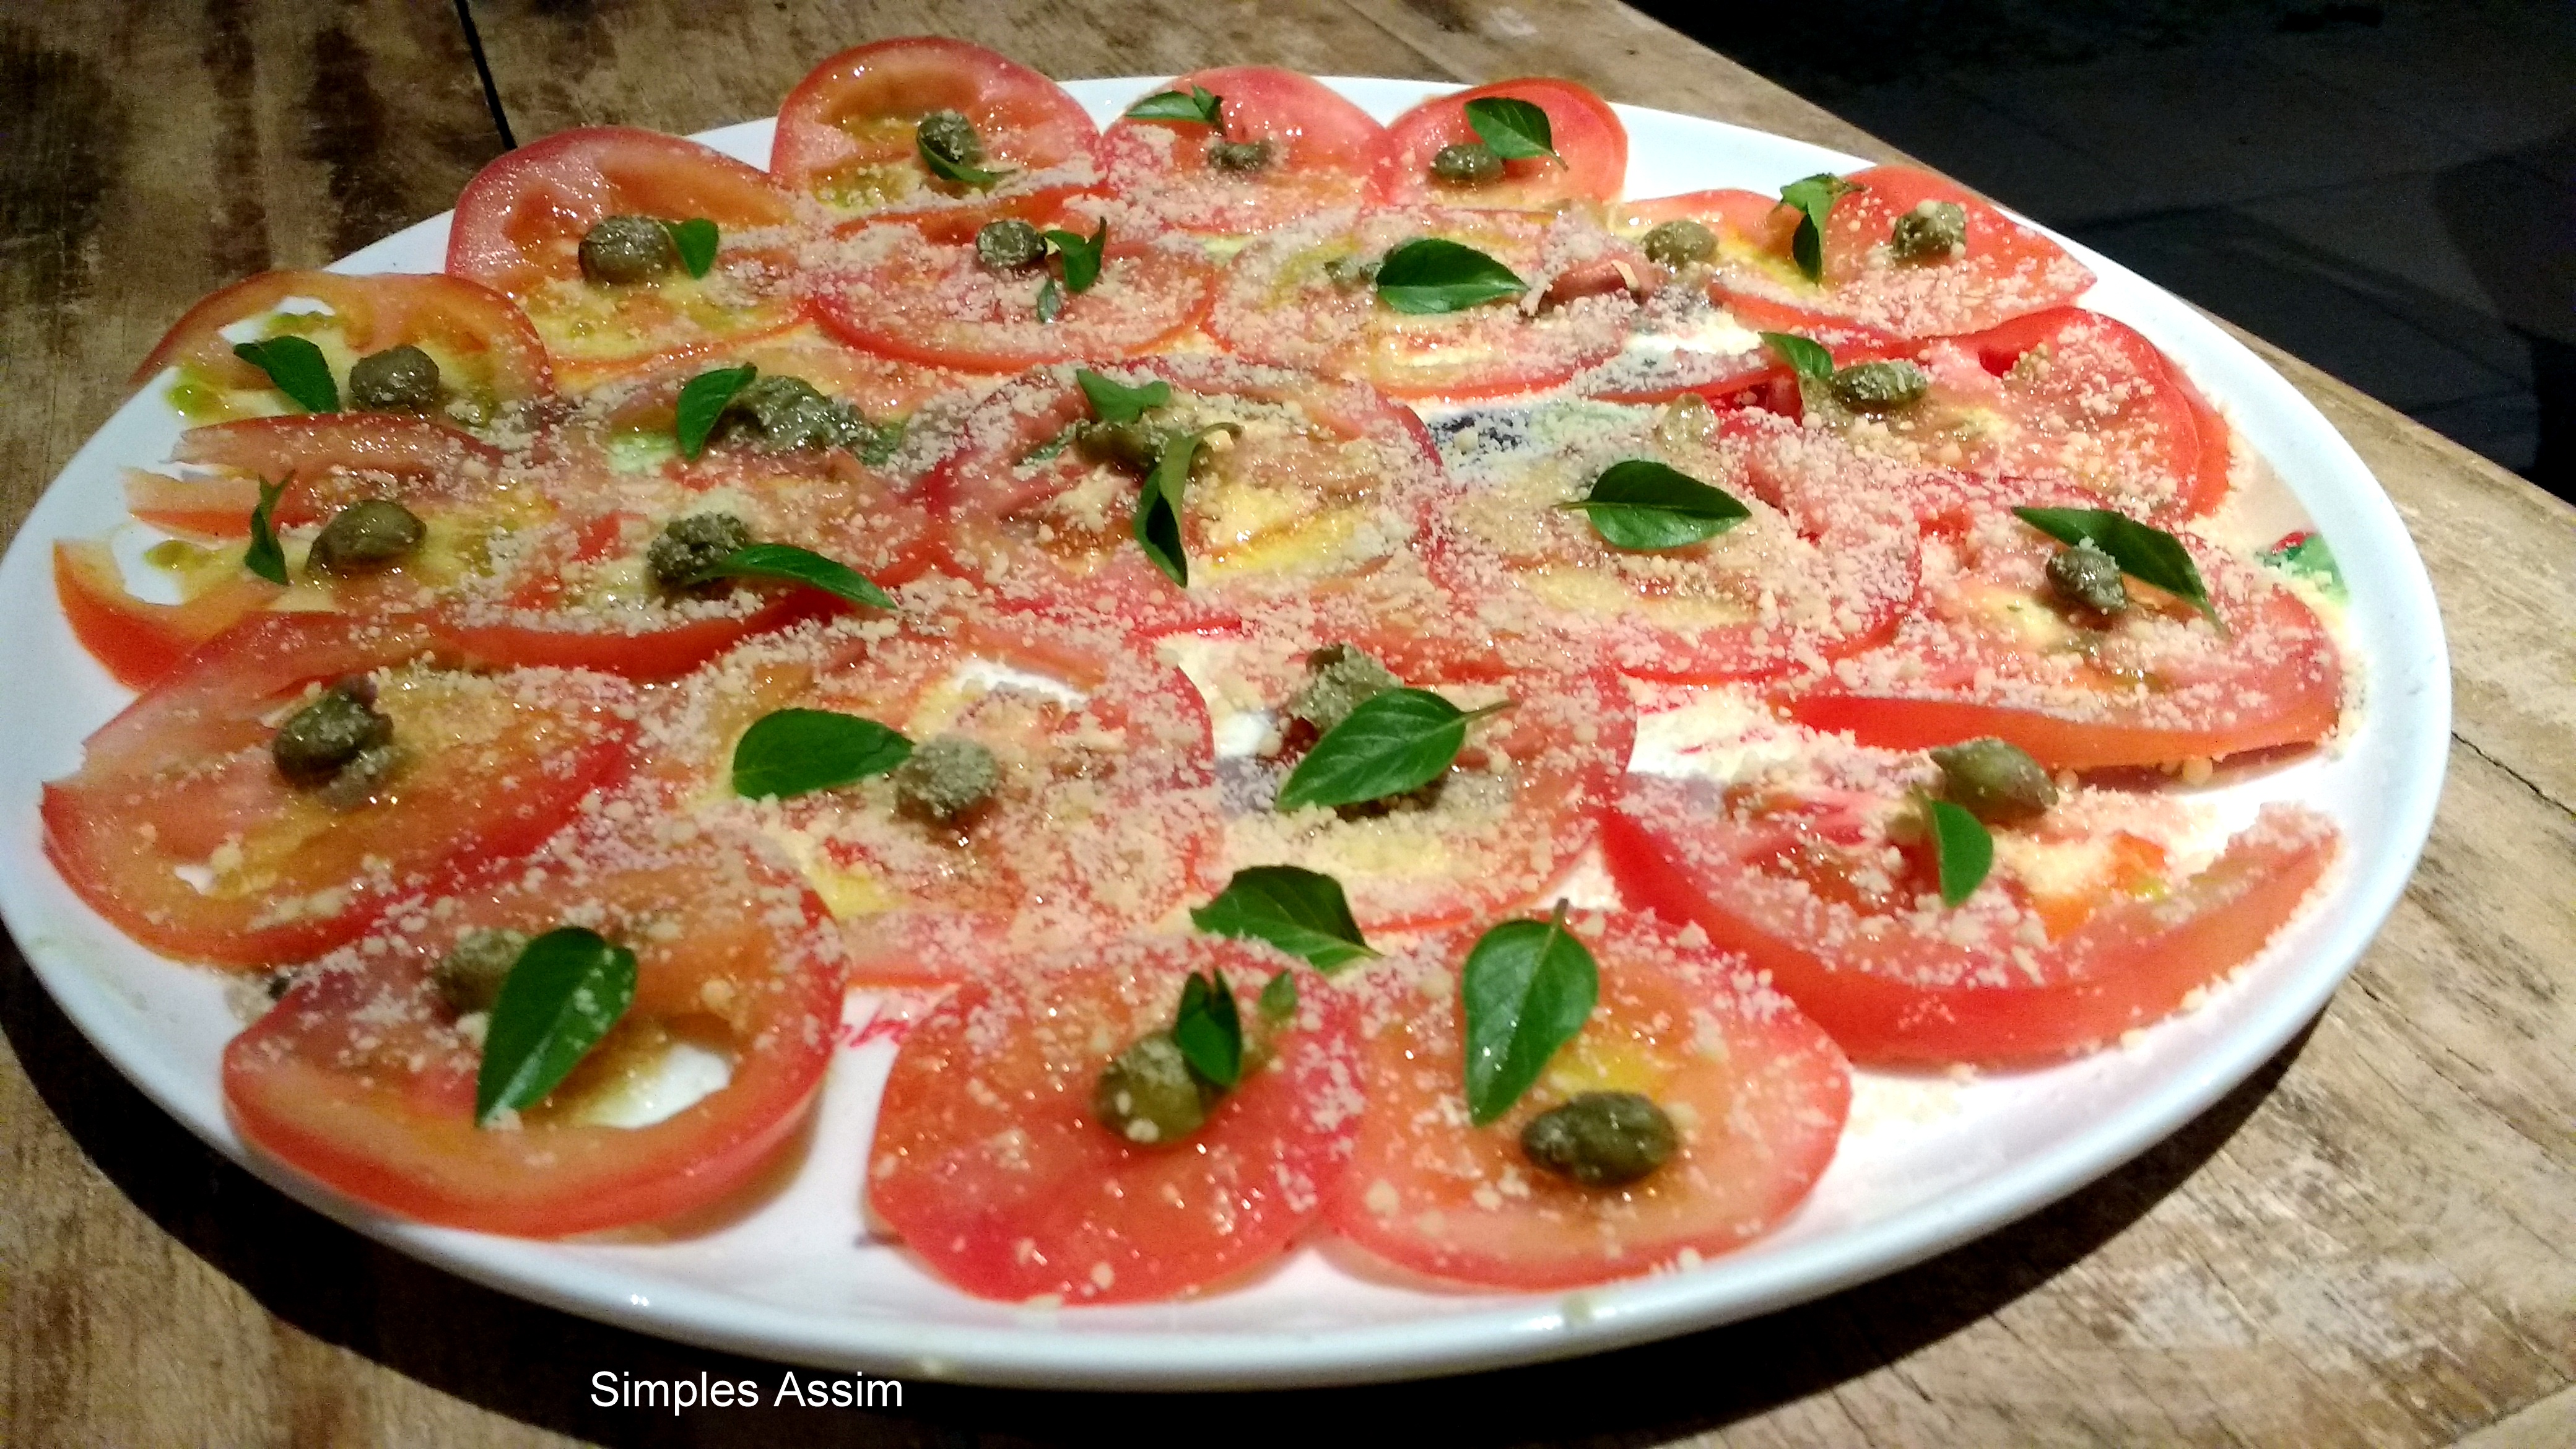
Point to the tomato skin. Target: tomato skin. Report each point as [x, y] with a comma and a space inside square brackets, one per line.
[1028, 124]
[137, 642]
[1588, 136]
[1759, 1121]
[1070, 1210]
[1917, 996]
[644, 656]
[466, 321]
[359, 1078]
[1324, 153]
[326, 460]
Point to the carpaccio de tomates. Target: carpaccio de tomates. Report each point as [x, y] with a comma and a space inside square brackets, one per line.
[1360, 683]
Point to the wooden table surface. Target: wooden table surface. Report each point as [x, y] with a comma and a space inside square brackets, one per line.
[2373, 1241]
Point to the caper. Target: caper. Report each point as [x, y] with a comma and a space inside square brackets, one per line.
[1239, 156]
[1350, 272]
[398, 379]
[361, 782]
[1934, 231]
[785, 412]
[1679, 243]
[1008, 245]
[620, 249]
[1339, 679]
[367, 534]
[1132, 444]
[337, 727]
[1473, 164]
[951, 137]
[1877, 387]
[2089, 578]
[690, 546]
[1600, 1139]
[946, 776]
[1994, 781]
[469, 976]
[1148, 1094]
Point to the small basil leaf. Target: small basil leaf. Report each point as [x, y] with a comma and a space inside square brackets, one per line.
[1302, 912]
[2305, 556]
[2149, 555]
[792, 752]
[1433, 274]
[1515, 130]
[1400, 740]
[265, 557]
[1158, 508]
[1961, 847]
[1113, 401]
[298, 369]
[567, 989]
[1081, 255]
[1528, 988]
[795, 565]
[974, 178]
[1278, 1001]
[1197, 105]
[1207, 1030]
[703, 399]
[1050, 300]
[1806, 357]
[1641, 504]
[696, 241]
[1814, 197]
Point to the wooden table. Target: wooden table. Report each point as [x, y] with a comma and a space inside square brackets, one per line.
[2371, 1242]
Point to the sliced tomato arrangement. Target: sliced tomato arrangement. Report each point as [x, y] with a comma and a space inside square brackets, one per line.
[324, 460]
[1756, 1094]
[182, 783]
[138, 641]
[363, 1076]
[1018, 1191]
[1590, 164]
[1284, 146]
[847, 134]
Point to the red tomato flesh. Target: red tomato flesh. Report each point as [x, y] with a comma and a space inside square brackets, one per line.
[1591, 162]
[135, 641]
[847, 132]
[1323, 153]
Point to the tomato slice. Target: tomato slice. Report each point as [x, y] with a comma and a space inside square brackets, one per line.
[520, 221]
[1281, 305]
[136, 641]
[1756, 1093]
[181, 784]
[1323, 153]
[1591, 162]
[1989, 650]
[846, 133]
[326, 460]
[2084, 930]
[363, 1078]
[487, 352]
[990, 1162]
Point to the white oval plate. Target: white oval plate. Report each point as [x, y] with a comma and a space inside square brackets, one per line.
[1926, 1164]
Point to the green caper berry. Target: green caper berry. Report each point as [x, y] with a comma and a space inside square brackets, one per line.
[1473, 164]
[1994, 781]
[361, 782]
[946, 776]
[1339, 679]
[1149, 1096]
[1933, 231]
[365, 535]
[1350, 272]
[398, 379]
[781, 412]
[469, 976]
[1239, 156]
[690, 546]
[951, 137]
[1133, 444]
[337, 727]
[1679, 243]
[1009, 245]
[2088, 578]
[1601, 1139]
[1877, 387]
[619, 249]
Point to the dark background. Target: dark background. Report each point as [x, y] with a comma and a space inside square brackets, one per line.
[2383, 189]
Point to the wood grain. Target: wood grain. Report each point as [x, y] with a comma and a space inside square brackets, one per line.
[2373, 1241]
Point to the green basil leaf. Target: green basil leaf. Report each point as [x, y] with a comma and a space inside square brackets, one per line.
[793, 752]
[1515, 130]
[974, 178]
[298, 369]
[1806, 357]
[696, 241]
[797, 566]
[702, 400]
[1302, 912]
[1278, 1000]
[1528, 988]
[1113, 401]
[1050, 300]
[567, 989]
[1081, 255]
[1400, 740]
[1814, 197]
[1207, 1030]
[1197, 106]
[2305, 556]
[1962, 848]
[2149, 555]
[1158, 508]
[265, 557]
[1433, 274]
[1641, 504]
